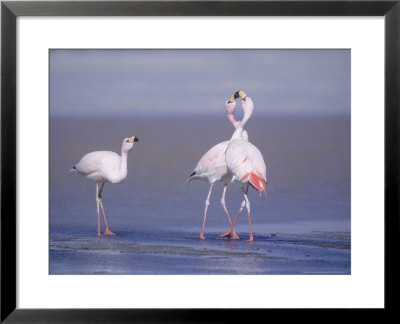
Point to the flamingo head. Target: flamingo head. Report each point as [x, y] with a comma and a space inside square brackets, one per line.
[127, 144]
[230, 107]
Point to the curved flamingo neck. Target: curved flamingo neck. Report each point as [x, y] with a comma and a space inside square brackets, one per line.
[123, 166]
[247, 105]
[230, 107]
[237, 134]
[232, 119]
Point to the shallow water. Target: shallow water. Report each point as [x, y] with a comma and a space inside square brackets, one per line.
[167, 252]
[301, 226]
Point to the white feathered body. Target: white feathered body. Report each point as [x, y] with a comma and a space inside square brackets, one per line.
[102, 166]
[212, 166]
[246, 163]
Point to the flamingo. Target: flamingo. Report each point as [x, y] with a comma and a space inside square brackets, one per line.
[102, 167]
[212, 168]
[245, 161]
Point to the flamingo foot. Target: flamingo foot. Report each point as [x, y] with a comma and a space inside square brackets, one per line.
[251, 239]
[234, 236]
[108, 233]
[202, 237]
[229, 234]
[226, 234]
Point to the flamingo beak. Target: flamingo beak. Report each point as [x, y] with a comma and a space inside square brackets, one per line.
[232, 99]
[240, 94]
[133, 139]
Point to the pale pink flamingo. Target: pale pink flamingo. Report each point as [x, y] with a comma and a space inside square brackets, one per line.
[102, 167]
[212, 168]
[245, 161]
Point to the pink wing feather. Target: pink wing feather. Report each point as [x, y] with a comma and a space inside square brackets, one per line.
[247, 164]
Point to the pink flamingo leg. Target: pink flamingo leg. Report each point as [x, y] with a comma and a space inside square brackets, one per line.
[232, 231]
[98, 210]
[207, 203]
[107, 232]
[228, 233]
[251, 238]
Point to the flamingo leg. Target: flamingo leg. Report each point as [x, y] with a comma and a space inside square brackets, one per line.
[231, 232]
[238, 214]
[228, 233]
[107, 232]
[251, 238]
[98, 211]
[207, 203]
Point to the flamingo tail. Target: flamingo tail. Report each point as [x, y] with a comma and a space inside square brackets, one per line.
[192, 176]
[258, 182]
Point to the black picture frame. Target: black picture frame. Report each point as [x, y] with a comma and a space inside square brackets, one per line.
[10, 10]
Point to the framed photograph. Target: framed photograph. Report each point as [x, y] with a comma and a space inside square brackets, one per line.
[284, 115]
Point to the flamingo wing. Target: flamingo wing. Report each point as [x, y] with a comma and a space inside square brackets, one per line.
[212, 165]
[98, 165]
[246, 163]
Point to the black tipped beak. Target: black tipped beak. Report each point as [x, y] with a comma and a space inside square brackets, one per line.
[236, 94]
[136, 139]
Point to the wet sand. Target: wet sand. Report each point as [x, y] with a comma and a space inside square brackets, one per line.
[170, 253]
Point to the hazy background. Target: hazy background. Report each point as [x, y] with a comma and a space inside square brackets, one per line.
[186, 82]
